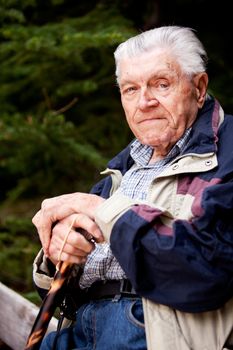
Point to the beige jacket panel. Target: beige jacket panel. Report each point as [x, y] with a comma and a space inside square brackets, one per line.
[169, 329]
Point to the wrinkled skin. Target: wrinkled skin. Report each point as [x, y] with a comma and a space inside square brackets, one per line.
[159, 100]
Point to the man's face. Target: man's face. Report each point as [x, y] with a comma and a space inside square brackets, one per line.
[159, 101]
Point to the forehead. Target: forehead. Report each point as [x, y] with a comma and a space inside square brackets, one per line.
[147, 65]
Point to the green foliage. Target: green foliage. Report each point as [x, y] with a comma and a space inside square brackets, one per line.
[45, 155]
[44, 69]
[18, 247]
[58, 60]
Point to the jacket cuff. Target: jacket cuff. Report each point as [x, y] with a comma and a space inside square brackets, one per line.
[42, 274]
[111, 210]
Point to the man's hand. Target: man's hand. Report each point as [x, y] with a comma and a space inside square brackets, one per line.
[57, 208]
[76, 247]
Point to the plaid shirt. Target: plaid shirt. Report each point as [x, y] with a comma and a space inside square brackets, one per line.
[101, 264]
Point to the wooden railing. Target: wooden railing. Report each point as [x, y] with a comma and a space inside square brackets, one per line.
[17, 316]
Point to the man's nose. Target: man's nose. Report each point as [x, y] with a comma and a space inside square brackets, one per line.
[147, 99]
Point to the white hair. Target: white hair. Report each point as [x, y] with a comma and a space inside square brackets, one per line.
[180, 42]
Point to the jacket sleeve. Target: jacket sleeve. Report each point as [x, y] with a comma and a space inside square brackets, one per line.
[187, 265]
[43, 272]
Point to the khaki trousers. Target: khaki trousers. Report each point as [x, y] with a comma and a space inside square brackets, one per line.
[169, 329]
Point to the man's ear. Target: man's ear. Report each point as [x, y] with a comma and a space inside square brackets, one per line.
[201, 82]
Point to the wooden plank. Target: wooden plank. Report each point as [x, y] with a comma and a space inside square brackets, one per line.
[17, 316]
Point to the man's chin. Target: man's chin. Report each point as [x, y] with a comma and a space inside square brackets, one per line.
[155, 141]
[164, 141]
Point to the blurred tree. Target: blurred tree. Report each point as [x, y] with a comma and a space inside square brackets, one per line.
[56, 58]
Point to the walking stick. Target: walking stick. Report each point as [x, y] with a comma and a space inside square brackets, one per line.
[53, 297]
[48, 306]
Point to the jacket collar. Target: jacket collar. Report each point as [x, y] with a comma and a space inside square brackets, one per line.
[203, 138]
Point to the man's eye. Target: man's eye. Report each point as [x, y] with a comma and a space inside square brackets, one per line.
[163, 85]
[130, 90]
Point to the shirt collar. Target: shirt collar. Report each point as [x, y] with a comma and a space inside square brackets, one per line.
[142, 154]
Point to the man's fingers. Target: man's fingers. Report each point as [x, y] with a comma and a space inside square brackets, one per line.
[68, 252]
[45, 218]
[84, 223]
[75, 244]
[44, 230]
[72, 237]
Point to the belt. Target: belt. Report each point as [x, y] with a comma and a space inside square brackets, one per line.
[110, 289]
[113, 289]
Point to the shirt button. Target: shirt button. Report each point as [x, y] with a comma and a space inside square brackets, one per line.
[208, 162]
[175, 166]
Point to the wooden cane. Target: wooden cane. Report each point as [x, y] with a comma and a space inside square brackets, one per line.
[48, 306]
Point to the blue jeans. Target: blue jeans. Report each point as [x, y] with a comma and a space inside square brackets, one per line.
[103, 325]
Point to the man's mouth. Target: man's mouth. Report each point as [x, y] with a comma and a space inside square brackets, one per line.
[150, 119]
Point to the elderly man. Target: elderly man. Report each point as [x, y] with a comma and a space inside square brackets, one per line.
[161, 217]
